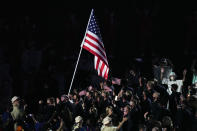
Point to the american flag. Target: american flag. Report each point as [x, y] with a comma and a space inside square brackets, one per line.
[116, 81]
[94, 44]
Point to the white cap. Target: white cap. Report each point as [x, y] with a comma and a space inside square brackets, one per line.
[78, 119]
[106, 120]
[14, 99]
[172, 74]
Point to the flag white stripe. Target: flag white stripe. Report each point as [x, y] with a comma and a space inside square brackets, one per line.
[96, 51]
[95, 61]
[99, 67]
[96, 37]
[104, 70]
[96, 44]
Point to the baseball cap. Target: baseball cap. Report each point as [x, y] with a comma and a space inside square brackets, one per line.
[14, 99]
[78, 119]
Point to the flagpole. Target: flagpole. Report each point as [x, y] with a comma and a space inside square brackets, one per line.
[79, 55]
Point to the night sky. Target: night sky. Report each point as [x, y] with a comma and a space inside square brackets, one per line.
[138, 28]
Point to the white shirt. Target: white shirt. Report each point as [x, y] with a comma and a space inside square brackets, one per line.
[169, 83]
[108, 128]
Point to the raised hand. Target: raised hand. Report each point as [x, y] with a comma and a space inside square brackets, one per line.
[184, 72]
[162, 70]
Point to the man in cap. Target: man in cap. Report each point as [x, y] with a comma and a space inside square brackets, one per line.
[18, 112]
[78, 124]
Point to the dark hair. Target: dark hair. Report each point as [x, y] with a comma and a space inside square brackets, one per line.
[166, 122]
[77, 96]
[51, 100]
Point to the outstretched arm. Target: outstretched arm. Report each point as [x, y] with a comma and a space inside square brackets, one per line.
[121, 123]
[184, 74]
[162, 72]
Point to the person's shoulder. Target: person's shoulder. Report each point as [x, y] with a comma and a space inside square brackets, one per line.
[179, 81]
[110, 128]
[165, 81]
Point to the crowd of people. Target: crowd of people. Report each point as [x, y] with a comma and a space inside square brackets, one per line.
[36, 59]
[133, 103]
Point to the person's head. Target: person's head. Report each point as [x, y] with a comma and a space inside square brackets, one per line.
[79, 120]
[132, 104]
[142, 127]
[51, 101]
[104, 95]
[132, 72]
[127, 93]
[156, 96]
[109, 110]
[157, 126]
[155, 129]
[127, 109]
[172, 76]
[90, 88]
[15, 101]
[167, 122]
[149, 85]
[64, 98]
[88, 94]
[76, 98]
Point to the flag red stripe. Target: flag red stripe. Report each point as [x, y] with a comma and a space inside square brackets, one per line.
[93, 38]
[105, 76]
[96, 44]
[96, 47]
[97, 63]
[106, 73]
[102, 69]
[94, 53]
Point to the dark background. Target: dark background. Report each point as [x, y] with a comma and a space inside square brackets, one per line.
[52, 32]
